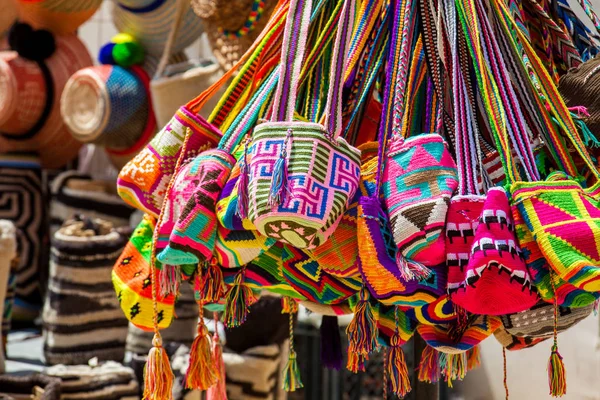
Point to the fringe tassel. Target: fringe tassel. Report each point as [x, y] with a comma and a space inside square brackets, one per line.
[242, 188]
[210, 284]
[158, 376]
[280, 176]
[397, 369]
[170, 280]
[356, 362]
[238, 302]
[410, 270]
[588, 137]
[429, 367]
[362, 330]
[557, 375]
[473, 358]
[291, 373]
[201, 373]
[331, 343]
[453, 367]
[219, 390]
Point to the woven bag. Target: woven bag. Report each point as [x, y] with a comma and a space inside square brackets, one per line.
[302, 176]
[132, 280]
[144, 180]
[514, 343]
[236, 248]
[538, 322]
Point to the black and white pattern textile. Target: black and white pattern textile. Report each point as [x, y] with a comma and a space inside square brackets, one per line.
[81, 317]
[109, 381]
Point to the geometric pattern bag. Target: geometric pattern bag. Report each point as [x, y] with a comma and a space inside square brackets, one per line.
[303, 175]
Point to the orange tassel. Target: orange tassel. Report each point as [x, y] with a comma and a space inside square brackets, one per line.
[219, 390]
[473, 358]
[557, 375]
[158, 376]
[209, 283]
[201, 373]
[429, 367]
[356, 362]
[397, 369]
[288, 305]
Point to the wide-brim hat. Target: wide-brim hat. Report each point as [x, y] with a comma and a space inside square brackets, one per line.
[58, 16]
[8, 15]
[232, 26]
[30, 120]
[150, 21]
[110, 106]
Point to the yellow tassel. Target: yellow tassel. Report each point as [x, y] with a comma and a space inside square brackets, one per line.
[473, 358]
[291, 374]
[356, 362]
[238, 302]
[557, 375]
[158, 377]
[429, 367]
[397, 369]
[362, 330]
[288, 305]
[201, 373]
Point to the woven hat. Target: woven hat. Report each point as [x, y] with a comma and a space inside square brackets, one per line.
[58, 16]
[109, 105]
[443, 337]
[8, 15]
[233, 25]
[150, 21]
[538, 321]
[30, 92]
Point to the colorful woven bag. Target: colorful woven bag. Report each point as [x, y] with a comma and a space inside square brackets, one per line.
[144, 180]
[514, 343]
[236, 248]
[302, 176]
[131, 277]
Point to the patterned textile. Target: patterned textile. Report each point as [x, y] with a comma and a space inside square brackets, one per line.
[439, 312]
[143, 181]
[512, 342]
[67, 201]
[538, 322]
[322, 179]
[566, 294]
[108, 381]
[564, 220]
[496, 279]
[132, 280]
[303, 274]
[8, 251]
[81, 317]
[418, 180]
[235, 248]
[386, 323]
[378, 267]
[442, 337]
[22, 202]
[194, 233]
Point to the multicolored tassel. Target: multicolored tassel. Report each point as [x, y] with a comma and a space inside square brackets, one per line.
[362, 332]
[588, 137]
[473, 358]
[557, 375]
[158, 376]
[209, 282]
[410, 270]
[429, 367]
[238, 302]
[331, 343]
[280, 175]
[291, 373]
[242, 185]
[288, 305]
[170, 280]
[396, 365]
[201, 373]
[219, 390]
[453, 367]
[356, 362]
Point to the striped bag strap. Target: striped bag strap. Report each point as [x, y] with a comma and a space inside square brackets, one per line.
[552, 105]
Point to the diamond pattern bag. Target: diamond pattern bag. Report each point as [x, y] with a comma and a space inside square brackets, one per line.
[302, 175]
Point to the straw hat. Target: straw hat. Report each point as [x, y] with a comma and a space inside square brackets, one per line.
[233, 25]
[8, 15]
[30, 119]
[58, 16]
[150, 21]
[108, 105]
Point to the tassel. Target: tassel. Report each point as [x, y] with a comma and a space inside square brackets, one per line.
[280, 176]
[588, 137]
[291, 373]
[405, 272]
[397, 369]
[579, 111]
[242, 185]
[420, 272]
[201, 373]
[362, 330]
[170, 280]
[410, 270]
[453, 367]
[473, 358]
[429, 367]
[238, 302]
[288, 305]
[158, 376]
[557, 375]
[356, 362]
[219, 390]
[331, 343]
[210, 284]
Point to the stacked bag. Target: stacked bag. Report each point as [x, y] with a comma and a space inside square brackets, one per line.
[412, 163]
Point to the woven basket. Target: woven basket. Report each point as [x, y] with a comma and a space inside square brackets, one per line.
[25, 385]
